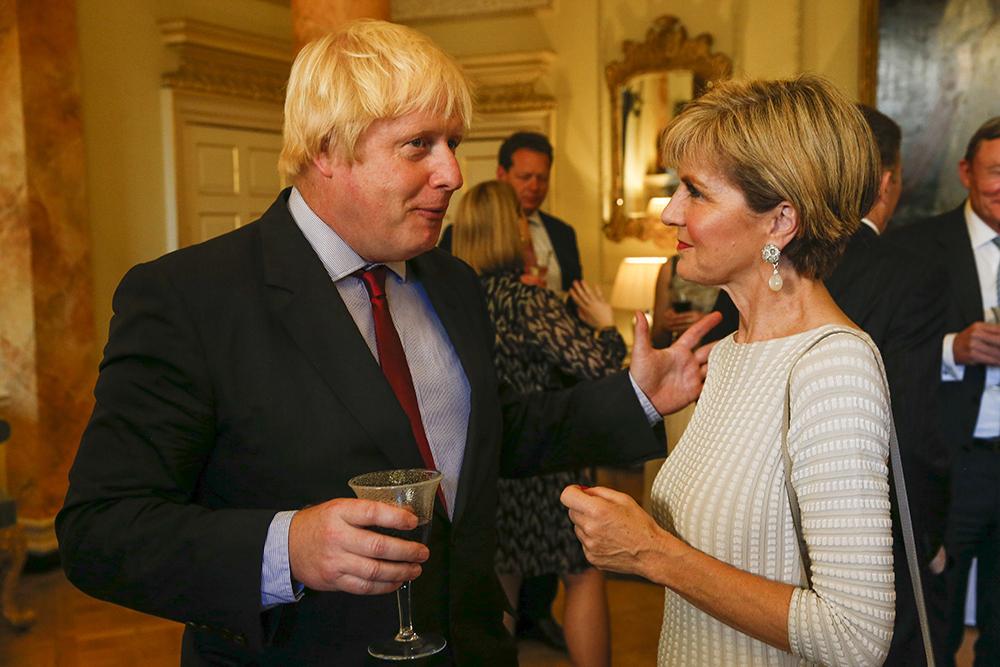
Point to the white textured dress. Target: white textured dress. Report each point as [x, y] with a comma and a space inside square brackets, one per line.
[722, 491]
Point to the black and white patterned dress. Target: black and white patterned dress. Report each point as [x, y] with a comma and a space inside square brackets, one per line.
[541, 346]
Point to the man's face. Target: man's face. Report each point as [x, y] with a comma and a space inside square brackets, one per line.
[981, 177]
[529, 176]
[389, 203]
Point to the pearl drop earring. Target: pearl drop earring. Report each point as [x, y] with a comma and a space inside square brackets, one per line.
[771, 254]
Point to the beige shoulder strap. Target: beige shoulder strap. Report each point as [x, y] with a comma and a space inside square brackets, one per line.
[897, 474]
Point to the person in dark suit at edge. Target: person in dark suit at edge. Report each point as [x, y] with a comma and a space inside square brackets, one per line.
[966, 243]
[525, 162]
[894, 294]
[247, 378]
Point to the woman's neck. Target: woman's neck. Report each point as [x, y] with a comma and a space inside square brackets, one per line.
[800, 305]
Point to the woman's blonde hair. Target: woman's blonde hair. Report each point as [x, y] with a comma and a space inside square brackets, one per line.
[798, 140]
[485, 234]
[366, 71]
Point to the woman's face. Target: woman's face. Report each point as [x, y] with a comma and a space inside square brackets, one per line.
[719, 238]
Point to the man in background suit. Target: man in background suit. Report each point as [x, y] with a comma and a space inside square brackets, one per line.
[965, 242]
[893, 295]
[525, 162]
[248, 378]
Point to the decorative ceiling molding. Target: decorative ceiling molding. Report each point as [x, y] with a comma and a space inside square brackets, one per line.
[422, 10]
[506, 81]
[221, 61]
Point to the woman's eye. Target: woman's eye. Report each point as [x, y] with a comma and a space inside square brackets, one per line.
[419, 142]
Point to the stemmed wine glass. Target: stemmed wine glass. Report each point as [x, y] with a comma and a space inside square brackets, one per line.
[415, 490]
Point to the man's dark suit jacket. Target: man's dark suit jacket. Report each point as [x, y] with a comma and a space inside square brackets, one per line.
[235, 384]
[946, 237]
[563, 239]
[899, 298]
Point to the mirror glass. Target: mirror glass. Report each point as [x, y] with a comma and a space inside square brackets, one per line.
[648, 87]
[648, 102]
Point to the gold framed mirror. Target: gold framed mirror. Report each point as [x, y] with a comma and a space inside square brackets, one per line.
[648, 87]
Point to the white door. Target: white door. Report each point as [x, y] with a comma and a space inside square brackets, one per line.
[227, 177]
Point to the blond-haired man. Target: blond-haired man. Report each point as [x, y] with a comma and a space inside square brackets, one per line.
[241, 388]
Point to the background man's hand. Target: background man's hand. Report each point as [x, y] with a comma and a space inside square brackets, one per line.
[978, 343]
[330, 549]
[672, 377]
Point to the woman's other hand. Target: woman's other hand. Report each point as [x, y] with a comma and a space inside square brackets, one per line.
[616, 534]
[591, 305]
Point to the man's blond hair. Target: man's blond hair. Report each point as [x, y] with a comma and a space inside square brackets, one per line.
[366, 71]
[485, 234]
[798, 140]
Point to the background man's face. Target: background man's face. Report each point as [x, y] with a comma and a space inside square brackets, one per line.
[981, 177]
[529, 176]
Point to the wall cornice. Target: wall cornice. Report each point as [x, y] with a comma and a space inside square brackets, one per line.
[221, 61]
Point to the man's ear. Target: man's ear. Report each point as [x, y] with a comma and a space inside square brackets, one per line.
[501, 173]
[884, 184]
[965, 173]
[784, 224]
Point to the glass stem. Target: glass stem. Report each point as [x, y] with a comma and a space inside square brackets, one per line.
[406, 632]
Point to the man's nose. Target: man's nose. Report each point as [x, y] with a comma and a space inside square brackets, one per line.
[447, 173]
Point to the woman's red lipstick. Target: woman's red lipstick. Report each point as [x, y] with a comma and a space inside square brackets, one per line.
[682, 246]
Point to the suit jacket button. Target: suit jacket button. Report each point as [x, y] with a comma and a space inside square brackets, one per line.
[240, 639]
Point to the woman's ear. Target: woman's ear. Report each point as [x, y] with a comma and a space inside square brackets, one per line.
[784, 224]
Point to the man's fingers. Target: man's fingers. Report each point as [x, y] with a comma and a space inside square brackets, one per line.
[362, 513]
[372, 544]
[698, 330]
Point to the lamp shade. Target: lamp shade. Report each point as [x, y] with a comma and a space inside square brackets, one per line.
[635, 283]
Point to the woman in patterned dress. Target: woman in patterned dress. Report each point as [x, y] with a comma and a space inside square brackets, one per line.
[768, 168]
[539, 346]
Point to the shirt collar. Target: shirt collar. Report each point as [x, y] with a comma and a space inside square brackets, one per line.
[980, 233]
[874, 227]
[338, 258]
[535, 219]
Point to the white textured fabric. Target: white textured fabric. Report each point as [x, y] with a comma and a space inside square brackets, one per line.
[722, 491]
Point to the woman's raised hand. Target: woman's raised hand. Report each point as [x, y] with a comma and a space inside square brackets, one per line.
[591, 305]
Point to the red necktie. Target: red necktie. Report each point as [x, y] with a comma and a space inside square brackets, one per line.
[393, 361]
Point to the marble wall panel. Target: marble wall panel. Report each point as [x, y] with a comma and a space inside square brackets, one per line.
[52, 353]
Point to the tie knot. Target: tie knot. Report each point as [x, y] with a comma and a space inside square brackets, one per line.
[374, 280]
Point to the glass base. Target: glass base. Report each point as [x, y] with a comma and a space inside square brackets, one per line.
[420, 646]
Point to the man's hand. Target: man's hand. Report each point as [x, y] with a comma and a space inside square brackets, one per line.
[329, 548]
[978, 343]
[673, 377]
[677, 323]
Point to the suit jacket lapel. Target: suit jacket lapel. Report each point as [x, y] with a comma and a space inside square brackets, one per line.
[957, 251]
[454, 315]
[306, 302]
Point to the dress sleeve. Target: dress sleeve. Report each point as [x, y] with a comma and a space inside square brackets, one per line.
[839, 444]
[569, 344]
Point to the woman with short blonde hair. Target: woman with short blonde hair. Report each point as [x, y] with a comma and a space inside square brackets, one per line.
[775, 176]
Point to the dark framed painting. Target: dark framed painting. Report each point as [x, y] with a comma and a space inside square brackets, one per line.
[934, 67]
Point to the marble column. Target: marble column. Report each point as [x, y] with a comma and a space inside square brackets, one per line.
[314, 18]
[48, 355]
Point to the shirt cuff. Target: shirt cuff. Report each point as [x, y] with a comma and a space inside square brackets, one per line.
[652, 414]
[950, 371]
[276, 585]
